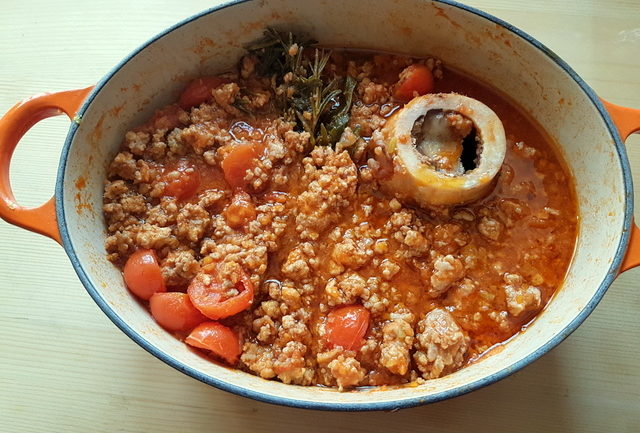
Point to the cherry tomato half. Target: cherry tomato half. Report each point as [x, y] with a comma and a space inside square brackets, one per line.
[174, 311]
[199, 91]
[414, 80]
[143, 275]
[208, 294]
[235, 164]
[183, 181]
[217, 338]
[346, 326]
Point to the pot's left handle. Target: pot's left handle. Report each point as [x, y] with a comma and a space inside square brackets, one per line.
[627, 121]
[13, 125]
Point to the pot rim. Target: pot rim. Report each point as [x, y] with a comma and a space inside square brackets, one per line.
[612, 272]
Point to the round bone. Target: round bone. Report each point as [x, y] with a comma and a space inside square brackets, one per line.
[416, 180]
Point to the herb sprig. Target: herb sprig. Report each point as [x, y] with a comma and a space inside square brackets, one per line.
[320, 104]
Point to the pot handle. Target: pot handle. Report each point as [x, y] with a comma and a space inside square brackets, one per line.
[627, 120]
[13, 125]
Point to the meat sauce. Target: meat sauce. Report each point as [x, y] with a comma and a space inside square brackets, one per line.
[440, 286]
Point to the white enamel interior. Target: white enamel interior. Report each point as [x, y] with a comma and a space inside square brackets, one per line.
[213, 43]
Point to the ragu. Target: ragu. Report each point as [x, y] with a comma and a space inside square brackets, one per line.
[314, 275]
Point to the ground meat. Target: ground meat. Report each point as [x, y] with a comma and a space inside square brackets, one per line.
[294, 327]
[192, 223]
[248, 65]
[366, 118]
[179, 267]
[258, 359]
[152, 236]
[405, 227]
[353, 254]
[119, 212]
[114, 189]
[396, 344]
[345, 289]
[156, 150]
[440, 344]
[449, 238]
[459, 293]
[290, 364]
[259, 99]
[331, 178]
[446, 271]
[490, 228]
[414, 240]
[347, 371]
[521, 297]
[461, 124]
[247, 246]
[389, 269]
[119, 245]
[375, 296]
[225, 96]
[211, 198]
[124, 166]
[177, 146]
[166, 119]
[113, 212]
[290, 297]
[501, 318]
[163, 214]
[299, 263]
[371, 92]
[198, 137]
[282, 146]
[265, 329]
[521, 147]
[137, 141]
[513, 211]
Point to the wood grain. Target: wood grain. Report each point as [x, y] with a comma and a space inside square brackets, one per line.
[65, 367]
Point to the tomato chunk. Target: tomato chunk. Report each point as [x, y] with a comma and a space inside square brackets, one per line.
[209, 294]
[414, 80]
[240, 211]
[238, 160]
[182, 182]
[217, 338]
[175, 312]
[143, 275]
[167, 117]
[346, 326]
[199, 91]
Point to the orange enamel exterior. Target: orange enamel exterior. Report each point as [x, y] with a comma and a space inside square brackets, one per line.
[13, 125]
[627, 121]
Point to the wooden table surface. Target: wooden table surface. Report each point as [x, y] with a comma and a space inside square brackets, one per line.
[64, 367]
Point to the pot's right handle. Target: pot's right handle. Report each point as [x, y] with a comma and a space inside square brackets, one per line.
[627, 121]
[13, 125]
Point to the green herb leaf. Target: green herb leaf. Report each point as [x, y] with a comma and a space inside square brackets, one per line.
[320, 105]
[339, 120]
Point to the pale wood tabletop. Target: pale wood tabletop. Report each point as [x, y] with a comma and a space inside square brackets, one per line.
[64, 367]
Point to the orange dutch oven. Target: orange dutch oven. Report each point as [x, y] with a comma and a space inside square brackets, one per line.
[590, 132]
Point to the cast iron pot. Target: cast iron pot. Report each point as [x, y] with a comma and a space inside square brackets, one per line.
[589, 130]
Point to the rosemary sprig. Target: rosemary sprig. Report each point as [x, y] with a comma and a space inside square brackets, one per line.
[313, 98]
[318, 103]
[330, 133]
[274, 52]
